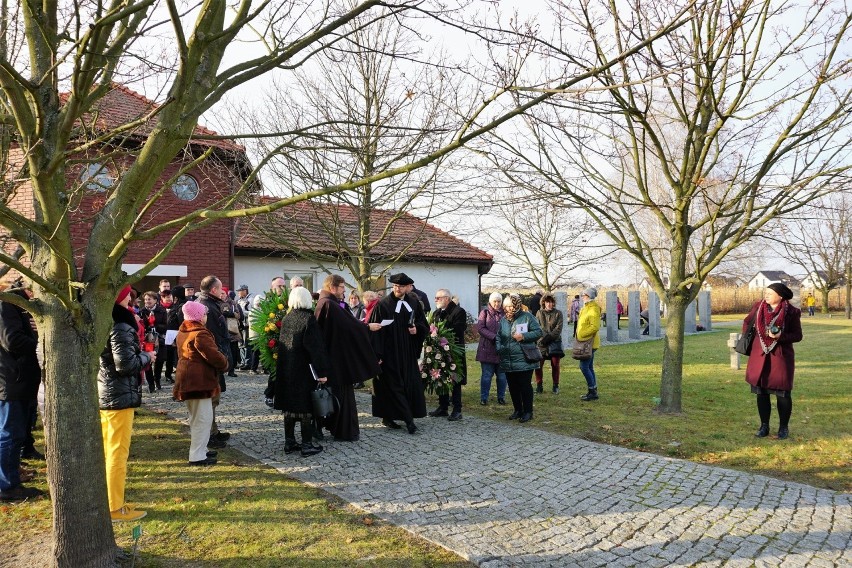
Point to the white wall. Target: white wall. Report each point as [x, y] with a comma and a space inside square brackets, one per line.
[462, 280]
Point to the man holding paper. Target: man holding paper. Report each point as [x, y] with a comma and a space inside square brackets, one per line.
[398, 391]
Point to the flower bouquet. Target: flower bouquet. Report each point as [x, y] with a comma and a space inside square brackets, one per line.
[439, 363]
[266, 322]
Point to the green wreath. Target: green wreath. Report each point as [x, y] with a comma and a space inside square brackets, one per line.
[266, 322]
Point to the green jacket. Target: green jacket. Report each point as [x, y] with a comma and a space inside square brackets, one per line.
[509, 350]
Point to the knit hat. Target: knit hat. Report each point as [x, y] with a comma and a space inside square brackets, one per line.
[193, 311]
[495, 296]
[123, 293]
[781, 290]
[591, 293]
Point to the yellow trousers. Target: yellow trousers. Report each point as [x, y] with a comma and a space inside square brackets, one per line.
[116, 427]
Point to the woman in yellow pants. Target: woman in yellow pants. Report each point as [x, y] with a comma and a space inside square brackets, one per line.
[121, 363]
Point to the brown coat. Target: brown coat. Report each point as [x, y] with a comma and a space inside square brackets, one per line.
[774, 370]
[199, 363]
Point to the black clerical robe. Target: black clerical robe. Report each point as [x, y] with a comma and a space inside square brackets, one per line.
[398, 392]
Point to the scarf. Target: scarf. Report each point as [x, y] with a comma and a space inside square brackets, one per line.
[766, 318]
[517, 304]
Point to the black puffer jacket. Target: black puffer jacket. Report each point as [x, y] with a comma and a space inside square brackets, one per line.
[121, 362]
[20, 373]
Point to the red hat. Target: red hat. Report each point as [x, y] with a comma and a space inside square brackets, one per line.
[225, 289]
[123, 293]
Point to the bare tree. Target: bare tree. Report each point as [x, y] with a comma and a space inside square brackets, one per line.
[393, 100]
[540, 241]
[719, 128]
[70, 55]
[819, 240]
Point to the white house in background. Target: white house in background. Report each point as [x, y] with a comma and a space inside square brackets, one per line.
[818, 278]
[432, 258]
[766, 277]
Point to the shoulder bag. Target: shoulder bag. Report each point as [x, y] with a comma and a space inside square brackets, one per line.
[743, 345]
[323, 401]
[582, 350]
[531, 353]
[555, 349]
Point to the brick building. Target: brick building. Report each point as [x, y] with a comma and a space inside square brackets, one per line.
[201, 252]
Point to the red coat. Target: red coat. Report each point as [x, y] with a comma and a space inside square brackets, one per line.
[199, 362]
[775, 370]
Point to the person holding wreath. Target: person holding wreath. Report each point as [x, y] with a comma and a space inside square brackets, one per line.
[455, 318]
[771, 361]
[550, 319]
[519, 330]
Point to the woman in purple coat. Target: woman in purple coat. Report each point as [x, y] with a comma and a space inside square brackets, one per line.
[488, 325]
[771, 360]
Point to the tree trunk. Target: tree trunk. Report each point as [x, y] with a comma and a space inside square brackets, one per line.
[672, 373]
[82, 528]
[824, 308]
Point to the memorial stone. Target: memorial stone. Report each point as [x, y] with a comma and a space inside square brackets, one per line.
[611, 316]
[704, 312]
[654, 329]
[567, 330]
[689, 321]
[633, 309]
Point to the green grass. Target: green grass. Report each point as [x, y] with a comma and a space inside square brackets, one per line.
[237, 513]
[719, 412]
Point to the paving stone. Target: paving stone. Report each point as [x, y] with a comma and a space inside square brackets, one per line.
[505, 496]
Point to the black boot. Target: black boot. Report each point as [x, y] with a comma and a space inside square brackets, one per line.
[308, 446]
[591, 395]
[763, 431]
[290, 444]
[539, 388]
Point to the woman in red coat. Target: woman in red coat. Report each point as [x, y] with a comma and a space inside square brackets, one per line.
[772, 361]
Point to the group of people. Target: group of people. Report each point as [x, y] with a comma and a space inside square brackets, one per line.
[508, 330]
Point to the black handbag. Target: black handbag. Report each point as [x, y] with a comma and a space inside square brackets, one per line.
[324, 402]
[743, 345]
[555, 349]
[582, 350]
[531, 353]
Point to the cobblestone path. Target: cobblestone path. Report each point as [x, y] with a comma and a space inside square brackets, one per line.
[505, 495]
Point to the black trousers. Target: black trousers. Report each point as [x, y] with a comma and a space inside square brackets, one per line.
[520, 390]
[444, 399]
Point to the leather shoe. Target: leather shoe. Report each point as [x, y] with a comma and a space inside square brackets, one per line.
[526, 417]
[291, 446]
[20, 493]
[515, 415]
[204, 462]
[439, 412]
[212, 454]
[783, 433]
[214, 443]
[483, 402]
[390, 424]
[222, 436]
[455, 416]
[310, 450]
[501, 401]
[763, 431]
[412, 427]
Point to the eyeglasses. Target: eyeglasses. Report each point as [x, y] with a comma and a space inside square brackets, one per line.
[441, 297]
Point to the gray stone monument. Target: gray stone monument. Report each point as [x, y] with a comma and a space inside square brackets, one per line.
[567, 329]
[633, 328]
[689, 318]
[654, 329]
[611, 316]
[704, 312]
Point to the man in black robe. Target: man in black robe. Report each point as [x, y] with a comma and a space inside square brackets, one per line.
[398, 392]
[352, 359]
[455, 319]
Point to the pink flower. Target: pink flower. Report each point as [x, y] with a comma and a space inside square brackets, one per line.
[435, 373]
[444, 341]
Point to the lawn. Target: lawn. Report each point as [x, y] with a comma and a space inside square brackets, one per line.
[719, 412]
[235, 514]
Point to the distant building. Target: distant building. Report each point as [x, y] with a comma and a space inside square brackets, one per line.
[817, 280]
[766, 277]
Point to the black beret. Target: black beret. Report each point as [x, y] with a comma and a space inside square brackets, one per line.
[781, 290]
[402, 279]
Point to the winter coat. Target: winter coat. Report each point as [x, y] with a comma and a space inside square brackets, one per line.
[300, 343]
[121, 362]
[357, 311]
[20, 373]
[534, 303]
[511, 355]
[488, 325]
[775, 369]
[455, 319]
[551, 328]
[199, 363]
[217, 325]
[589, 323]
[161, 317]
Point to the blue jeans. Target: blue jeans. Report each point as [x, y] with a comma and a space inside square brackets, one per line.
[14, 415]
[587, 367]
[488, 371]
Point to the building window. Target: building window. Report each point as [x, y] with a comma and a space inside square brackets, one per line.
[97, 177]
[185, 187]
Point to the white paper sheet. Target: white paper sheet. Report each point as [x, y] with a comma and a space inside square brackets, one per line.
[171, 334]
[385, 322]
[521, 328]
